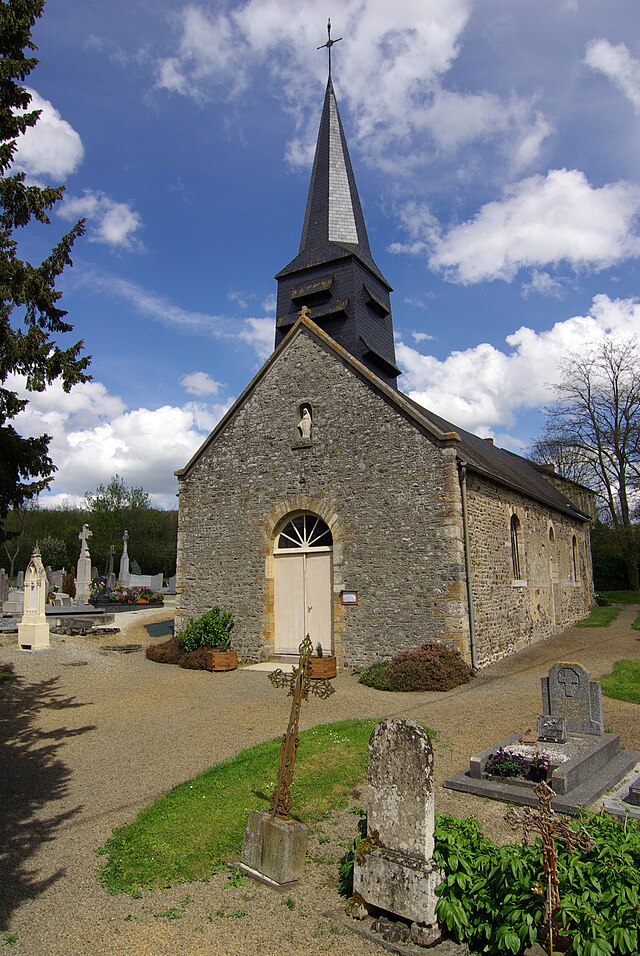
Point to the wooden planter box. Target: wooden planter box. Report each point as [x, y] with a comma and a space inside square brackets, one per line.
[323, 667]
[222, 660]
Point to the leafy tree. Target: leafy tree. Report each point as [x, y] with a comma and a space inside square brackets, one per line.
[596, 424]
[29, 313]
[116, 497]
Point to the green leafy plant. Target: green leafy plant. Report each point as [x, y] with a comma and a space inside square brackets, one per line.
[213, 629]
[319, 651]
[430, 667]
[602, 600]
[236, 879]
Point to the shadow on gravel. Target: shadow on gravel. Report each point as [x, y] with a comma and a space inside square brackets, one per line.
[31, 775]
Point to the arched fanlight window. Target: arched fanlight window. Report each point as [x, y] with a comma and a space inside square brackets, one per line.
[515, 547]
[305, 531]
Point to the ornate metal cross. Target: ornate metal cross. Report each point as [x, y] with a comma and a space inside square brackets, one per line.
[300, 684]
[329, 43]
[544, 823]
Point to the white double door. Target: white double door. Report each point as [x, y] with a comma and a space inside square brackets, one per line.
[302, 600]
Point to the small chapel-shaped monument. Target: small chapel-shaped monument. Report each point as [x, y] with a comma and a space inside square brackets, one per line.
[33, 629]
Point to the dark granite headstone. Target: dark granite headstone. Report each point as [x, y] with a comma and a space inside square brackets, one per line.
[633, 797]
[570, 693]
[4, 587]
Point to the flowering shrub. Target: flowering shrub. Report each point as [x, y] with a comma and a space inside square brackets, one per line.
[122, 595]
[430, 667]
[507, 763]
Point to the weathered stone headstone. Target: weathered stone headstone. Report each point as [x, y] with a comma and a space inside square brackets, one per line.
[20, 580]
[570, 693]
[110, 574]
[395, 870]
[83, 573]
[135, 567]
[33, 630]
[4, 587]
[49, 572]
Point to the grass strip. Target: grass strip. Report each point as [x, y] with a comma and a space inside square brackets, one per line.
[600, 617]
[188, 832]
[622, 597]
[636, 624]
[623, 683]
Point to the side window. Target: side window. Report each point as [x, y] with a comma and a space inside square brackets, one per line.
[574, 559]
[516, 548]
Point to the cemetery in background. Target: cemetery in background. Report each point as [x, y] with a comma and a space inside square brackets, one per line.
[109, 510]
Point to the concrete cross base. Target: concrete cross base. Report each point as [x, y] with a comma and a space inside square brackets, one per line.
[399, 884]
[273, 847]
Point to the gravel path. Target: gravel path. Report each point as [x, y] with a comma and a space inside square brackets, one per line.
[90, 736]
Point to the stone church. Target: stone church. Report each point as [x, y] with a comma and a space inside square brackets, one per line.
[326, 502]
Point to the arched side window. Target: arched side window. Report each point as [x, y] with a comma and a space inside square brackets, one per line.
[305, 531]
[574, 559]
[516, 548]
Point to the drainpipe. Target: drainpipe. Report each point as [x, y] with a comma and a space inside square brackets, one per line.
[467, 566]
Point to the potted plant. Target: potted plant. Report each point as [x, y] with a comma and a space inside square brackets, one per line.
[212, 632]
[322, 667]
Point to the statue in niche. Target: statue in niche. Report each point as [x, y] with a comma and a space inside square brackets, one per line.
[305, 424]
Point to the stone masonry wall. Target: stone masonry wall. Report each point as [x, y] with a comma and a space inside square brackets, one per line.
[552, 592]
[389, 494]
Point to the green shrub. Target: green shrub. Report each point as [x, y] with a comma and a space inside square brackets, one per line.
[213, 629]
[430, 667]
[493, 897]
[602, 600]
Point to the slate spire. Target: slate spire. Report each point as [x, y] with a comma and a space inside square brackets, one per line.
[334, 273]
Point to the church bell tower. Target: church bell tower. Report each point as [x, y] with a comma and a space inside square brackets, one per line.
[334, 274]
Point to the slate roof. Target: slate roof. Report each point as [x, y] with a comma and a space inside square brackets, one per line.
[334, 225]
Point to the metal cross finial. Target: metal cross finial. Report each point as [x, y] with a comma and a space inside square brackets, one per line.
[329, 44]
[300, 684]
[544, 823]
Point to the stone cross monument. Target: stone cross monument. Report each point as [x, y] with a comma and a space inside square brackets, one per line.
[125, 574]
[395, 870]
[33, 630]
[83, 572]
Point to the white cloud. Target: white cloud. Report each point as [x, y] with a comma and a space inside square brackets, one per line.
[391, 77]
[259, 334]
[421, 337]
[543, 220]
[50, 148]
[95, 436]
[615, 61]
[200, 383]
[482, 388]
[541, 283]
[110, 222]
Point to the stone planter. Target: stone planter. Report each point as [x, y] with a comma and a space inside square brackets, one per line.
[323, 667]
[221, 660]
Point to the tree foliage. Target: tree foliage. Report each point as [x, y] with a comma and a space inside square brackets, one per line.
[30, 316]
[594, 427]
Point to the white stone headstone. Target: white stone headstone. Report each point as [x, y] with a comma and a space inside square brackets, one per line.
[125, 574]
[83, 570]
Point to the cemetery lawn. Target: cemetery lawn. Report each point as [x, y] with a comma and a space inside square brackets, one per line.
[622, 597]
[600, 617]
[624, 682]
[189, 832]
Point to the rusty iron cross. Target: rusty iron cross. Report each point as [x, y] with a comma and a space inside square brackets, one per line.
[300, 685]
[544, 823]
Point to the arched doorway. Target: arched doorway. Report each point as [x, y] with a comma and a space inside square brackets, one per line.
[302, 584]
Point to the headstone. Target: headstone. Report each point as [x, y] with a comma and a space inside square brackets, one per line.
[135, 567]
[57, 577]
[633, 797]
[83, 572]
[396, 872]
[20, 580]
[125, 574]
[33, 630]
[49, 572]
[153, 581]
[110, 574]
[4, 587]
[569, 692]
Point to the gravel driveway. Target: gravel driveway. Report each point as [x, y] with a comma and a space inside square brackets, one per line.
[91, 736]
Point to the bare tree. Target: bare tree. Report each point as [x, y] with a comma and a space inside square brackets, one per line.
[594, 429]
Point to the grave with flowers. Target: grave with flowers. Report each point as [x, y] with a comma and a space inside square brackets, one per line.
[569, 750]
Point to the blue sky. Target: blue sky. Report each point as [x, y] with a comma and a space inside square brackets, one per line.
[495, 146]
